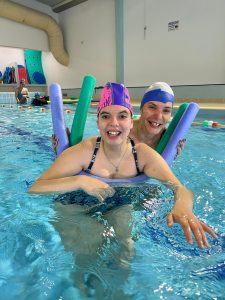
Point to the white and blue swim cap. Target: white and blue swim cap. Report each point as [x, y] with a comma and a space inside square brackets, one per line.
[158, 91]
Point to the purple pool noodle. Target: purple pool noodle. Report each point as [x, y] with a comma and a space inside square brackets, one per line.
[180, 132]
[137, 179]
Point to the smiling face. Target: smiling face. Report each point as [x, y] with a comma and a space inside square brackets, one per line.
[155, 115]
[114, 123]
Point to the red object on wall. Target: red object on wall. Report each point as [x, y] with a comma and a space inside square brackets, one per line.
[22, 73]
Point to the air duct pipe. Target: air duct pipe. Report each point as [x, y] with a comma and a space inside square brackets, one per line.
[34, 18]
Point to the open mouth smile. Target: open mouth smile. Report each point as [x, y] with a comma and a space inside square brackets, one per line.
[154, 124]
[113, 133]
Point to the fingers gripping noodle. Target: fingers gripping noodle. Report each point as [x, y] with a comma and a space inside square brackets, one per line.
[58, 121]
[80, 116]
[173, 124]
[180, 132]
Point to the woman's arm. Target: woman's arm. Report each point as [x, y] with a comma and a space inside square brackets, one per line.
[154, 166]
[59, 177]
[91, 186]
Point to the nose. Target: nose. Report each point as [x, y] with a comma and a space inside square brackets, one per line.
[114, 121]
[158, 114]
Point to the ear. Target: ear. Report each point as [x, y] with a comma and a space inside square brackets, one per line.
[132, 124]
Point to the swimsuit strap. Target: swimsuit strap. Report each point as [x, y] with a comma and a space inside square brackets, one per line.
[97, 146]
[134, 151]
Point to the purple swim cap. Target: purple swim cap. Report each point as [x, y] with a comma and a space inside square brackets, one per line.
[158, 91]
[114, 94]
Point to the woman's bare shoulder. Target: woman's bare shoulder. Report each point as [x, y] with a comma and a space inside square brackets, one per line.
[85, 145]
[89, 142]
[145, 149]
[82, 151]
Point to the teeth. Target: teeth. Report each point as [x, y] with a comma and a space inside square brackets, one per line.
[114, 133]
[155, 124]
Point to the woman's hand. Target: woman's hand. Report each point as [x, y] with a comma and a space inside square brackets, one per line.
[54, 141]
[96, 188]
[180, 147]
[189, 222]
[154, 166]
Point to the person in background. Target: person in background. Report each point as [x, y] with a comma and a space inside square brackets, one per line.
[115, 155]
[21, 93]
[156, 110]
[39, 100]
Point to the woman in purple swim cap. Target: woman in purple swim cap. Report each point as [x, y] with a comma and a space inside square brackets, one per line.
[114, 116]
[114, 155]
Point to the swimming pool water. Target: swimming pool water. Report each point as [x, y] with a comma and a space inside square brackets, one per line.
[54, 251]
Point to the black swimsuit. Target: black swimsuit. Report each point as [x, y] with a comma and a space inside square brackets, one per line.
[97, 146]
[81, 198]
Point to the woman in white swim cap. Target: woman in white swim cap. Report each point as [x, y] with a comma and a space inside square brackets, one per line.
[156, 109]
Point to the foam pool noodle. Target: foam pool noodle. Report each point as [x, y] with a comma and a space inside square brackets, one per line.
[83, 105]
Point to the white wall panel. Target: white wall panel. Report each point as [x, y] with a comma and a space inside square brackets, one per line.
[194, 54]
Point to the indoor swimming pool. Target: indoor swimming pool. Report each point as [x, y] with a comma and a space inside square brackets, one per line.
[50, 250]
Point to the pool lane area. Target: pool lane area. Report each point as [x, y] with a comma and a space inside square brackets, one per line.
[39, 263]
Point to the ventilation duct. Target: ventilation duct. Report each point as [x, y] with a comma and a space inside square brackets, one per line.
[34, 18]
[63, 5]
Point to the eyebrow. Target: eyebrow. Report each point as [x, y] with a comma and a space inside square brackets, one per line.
[120, 112]
[104, 112]
[157, 106]
[123, 112]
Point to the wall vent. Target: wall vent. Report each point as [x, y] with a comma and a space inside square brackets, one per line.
[173, 25]
[63, 5]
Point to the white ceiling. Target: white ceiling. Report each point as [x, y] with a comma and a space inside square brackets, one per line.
[61, 5]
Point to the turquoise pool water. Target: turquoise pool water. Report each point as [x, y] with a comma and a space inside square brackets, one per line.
[54, 251]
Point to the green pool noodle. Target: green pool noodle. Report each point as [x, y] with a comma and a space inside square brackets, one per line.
[173, 124]
[80, 116]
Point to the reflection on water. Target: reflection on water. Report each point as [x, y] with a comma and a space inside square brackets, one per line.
[102, 239]
[59, 249]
